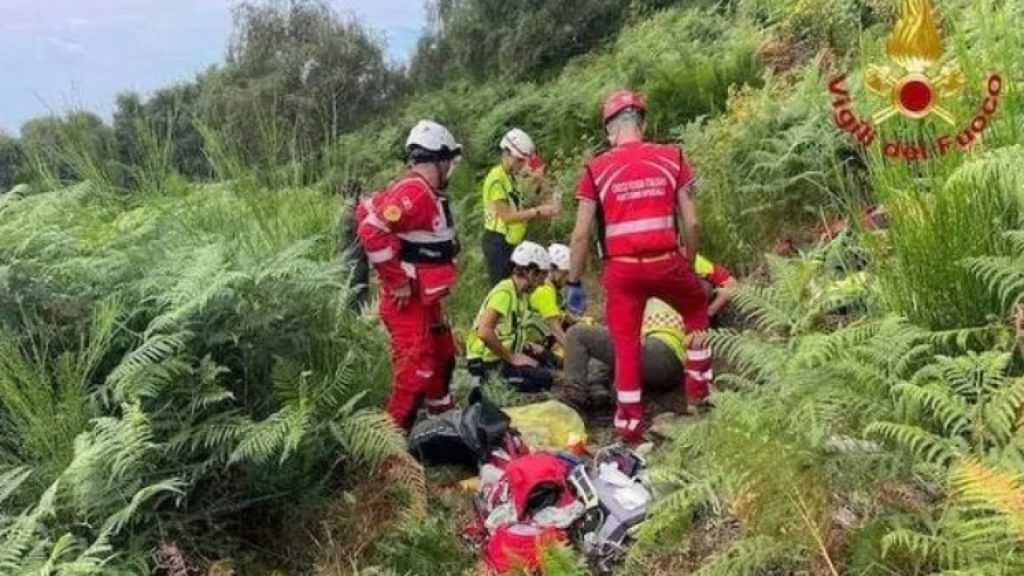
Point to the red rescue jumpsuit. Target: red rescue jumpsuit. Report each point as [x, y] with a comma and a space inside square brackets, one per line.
[408, 234]
[635, 187]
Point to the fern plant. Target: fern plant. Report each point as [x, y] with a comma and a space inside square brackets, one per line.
[1004, 275]
[957, 407]
[75, 526]
[45, 396]
[979, 531]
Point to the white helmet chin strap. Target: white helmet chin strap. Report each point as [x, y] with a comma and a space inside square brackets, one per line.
[451, 169]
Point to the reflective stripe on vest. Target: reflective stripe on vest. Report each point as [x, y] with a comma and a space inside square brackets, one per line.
[637, 226]
[380, 256]
[636, 188]
[425, 237]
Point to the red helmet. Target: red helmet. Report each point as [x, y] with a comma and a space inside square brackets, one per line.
[619, 101]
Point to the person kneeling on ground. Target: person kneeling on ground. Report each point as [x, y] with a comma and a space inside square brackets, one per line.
[497, 339]
[548, 318]
[665, 343]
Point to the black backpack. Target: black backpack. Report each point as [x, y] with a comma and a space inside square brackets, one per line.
[461, 437]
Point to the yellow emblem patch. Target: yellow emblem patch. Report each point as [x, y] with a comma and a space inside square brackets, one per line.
[392, 213]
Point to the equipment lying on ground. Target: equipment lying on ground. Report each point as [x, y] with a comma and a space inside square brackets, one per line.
[550, 425]
[527, 501]
[617, 493]
[464, 437]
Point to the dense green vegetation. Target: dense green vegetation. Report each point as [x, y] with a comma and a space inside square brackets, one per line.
[181, 381]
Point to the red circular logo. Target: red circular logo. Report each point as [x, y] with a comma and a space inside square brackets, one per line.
[916, 96]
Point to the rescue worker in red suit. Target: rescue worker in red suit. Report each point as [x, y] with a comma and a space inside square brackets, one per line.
[637, 194]
[409, 237]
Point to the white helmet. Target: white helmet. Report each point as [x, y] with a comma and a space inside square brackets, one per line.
[531, 254]
[518, 143]
[434, 139]
[559, 254]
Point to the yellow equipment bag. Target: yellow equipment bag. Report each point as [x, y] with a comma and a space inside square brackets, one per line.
[550, 426]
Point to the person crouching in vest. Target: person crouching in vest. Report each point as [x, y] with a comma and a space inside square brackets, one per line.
[409, 236]
[636, 194]
[505, 214]
[497, 340]
[547, 319]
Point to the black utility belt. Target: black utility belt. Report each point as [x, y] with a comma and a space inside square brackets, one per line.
[432, 253]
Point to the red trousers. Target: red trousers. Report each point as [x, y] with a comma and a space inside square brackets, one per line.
[422, 358]
[628, 286]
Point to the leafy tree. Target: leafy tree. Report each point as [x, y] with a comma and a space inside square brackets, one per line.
[129, 111]
[167, 116]
[297, 75]
[172, 112]
[74, 147]
[520, 39]
[10, 161]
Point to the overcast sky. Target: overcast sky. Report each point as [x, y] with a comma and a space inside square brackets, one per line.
[60, 54]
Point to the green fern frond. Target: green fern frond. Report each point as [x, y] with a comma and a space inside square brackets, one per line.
[217, 434]
[921, 443]
[1002, 274]
[369, 437]
[145, 370]
[752, 356]
[185, 291]
[265, 439]
[292, 265]
[952, 412]
[209, 392]
[750, 557]
[117, 521]
[925, 547]
[1002, 413]
[997, 169]
[678, 507]
[975, 375]
[827, 347]
[11, 480]
[110, 461]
